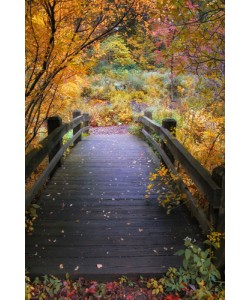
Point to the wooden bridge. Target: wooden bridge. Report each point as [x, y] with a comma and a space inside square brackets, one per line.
[94, 219]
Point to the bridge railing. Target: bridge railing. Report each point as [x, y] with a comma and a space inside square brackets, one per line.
[53, 148]
[211, 186]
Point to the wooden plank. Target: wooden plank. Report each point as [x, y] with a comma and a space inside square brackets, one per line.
[114, 251]
[82, 216]
[129, 267]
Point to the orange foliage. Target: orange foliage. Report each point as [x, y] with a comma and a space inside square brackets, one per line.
[58, 33]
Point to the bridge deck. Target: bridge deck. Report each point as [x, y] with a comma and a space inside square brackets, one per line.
[94, 220]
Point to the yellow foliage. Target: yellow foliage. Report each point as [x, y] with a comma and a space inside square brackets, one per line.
[180, 89]
[70, 90]
[57, 38]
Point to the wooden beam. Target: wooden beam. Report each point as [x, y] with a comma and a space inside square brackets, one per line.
[150, 123]
[53, 123]
[170, 125]
[149, 115]
[77, 113]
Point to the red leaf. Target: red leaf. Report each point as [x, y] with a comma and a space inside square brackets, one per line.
[110, 286]
[91, 289]
[172, 297]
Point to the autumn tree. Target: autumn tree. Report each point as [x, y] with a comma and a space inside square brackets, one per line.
[192, 33]
[167, 53]
[58, 32]
[142, 46]
[114, 53]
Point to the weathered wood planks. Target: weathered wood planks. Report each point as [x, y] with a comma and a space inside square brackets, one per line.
[93, 212]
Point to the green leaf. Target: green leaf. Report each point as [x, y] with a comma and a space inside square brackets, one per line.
[32, 211]
[217, 273]
[207, 262]
[204, 255]
[195, 250]
[185, 264]
[188, 253]
[196, 258]
[180, 252]
[35, 206]
[198, 280]
[36, 281]
[198, 263]
[67, 276]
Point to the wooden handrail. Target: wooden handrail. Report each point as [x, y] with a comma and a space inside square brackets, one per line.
[199, 214]
[200, 176]
[194, 169]
[36, 156]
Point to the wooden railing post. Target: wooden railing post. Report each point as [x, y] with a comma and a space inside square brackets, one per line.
[149, 115]
[77, 113]
[218, 175]
[52, 124]
[170, 125]
[86, 123]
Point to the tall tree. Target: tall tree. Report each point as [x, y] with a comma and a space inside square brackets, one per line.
[58, 32]
[113, 51]
[196, 28]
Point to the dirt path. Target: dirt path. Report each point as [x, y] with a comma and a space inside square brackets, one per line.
[123, 129]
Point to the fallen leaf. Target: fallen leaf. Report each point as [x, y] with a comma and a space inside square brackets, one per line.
[76, 268]
[140, 229]
[61, 266]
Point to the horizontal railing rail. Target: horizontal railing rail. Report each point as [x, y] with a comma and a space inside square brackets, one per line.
[172, 150]
[52, 146]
